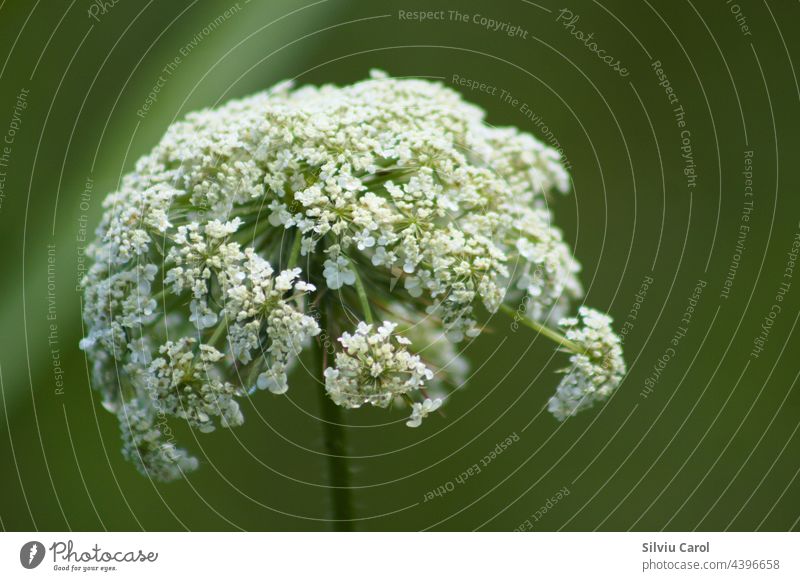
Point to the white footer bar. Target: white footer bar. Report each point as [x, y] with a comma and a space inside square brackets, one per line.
[390, 556]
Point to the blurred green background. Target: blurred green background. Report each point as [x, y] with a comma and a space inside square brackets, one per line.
[714, 446]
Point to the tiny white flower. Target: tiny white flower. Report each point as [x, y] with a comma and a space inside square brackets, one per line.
[202, 316]
[275, 383]
[217, 229]
[338, 273]
[363, 240]
[413, 286]
[420, 411]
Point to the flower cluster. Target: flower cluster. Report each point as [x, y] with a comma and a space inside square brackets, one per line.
[406, 176]
[387, 199]
[146, 444]
[237, 325]
[597, 366]
[374, 368]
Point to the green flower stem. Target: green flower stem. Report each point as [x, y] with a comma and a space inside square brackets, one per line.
[362, 296]
[250, 233]
[218, 332]
[294, 254]
[159, 296]
[335, 441]
[542, 330]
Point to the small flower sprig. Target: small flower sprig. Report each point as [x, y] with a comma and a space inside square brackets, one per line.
[597, 366]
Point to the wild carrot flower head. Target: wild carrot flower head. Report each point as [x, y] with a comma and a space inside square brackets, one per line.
[252, 226]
